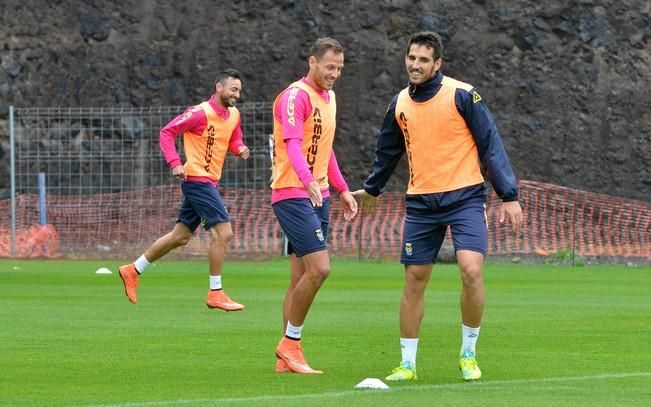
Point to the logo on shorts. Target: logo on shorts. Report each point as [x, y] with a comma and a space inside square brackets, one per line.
[409, 250]
[319, 235]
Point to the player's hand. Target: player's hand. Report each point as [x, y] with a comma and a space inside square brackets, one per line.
[368, 201]
[244, 152]
[178, 172]
[350, 205]
[314, 192]
[514, 212]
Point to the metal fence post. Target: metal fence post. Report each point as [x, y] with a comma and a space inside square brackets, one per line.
[41, 198]
[359, 240]
[12, 172]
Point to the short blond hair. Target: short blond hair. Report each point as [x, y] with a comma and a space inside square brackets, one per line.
[322, 45]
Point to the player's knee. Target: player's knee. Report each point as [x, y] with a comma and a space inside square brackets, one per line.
[181, 240]
[321, 272]
[471, 276]
[416, 279]
[224, 236]
[324, 272]
[227, 236]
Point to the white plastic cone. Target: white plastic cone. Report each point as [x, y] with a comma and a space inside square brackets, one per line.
[372, 383]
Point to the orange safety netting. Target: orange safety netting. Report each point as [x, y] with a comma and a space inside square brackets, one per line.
[124, 224]
[34, 241]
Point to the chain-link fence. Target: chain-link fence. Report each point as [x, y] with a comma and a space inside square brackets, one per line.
[92, 182]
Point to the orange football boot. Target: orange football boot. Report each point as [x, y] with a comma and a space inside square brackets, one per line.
[129, 277]
[292, 353]
[219, 299]
[281, 367]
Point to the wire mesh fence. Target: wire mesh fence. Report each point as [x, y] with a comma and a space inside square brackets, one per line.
[108, 193]
[86, 151]
[108, 189]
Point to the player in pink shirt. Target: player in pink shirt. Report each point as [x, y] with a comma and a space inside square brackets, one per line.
[209, 129]
[293, 137]
[304, 166]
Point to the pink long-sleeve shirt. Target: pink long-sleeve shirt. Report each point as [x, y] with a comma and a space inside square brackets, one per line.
[194, 121]
[293, 137]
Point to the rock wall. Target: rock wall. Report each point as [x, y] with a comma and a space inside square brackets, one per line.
[567, 81]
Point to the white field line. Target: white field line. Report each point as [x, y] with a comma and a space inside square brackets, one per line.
[414, 388]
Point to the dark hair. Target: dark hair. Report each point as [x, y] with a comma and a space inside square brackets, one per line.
[225, 74]
[322, 45]
[429, 39]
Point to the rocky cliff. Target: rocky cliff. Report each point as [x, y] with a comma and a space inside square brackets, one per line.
[567, 81]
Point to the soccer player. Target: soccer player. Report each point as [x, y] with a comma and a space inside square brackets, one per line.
[449, 135]
[304, 165]
[209, 129]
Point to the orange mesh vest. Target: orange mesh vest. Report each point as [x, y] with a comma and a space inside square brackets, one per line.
[318, 135]
[205, 153]
[440, 148]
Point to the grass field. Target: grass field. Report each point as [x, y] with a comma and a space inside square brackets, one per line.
[551, 335]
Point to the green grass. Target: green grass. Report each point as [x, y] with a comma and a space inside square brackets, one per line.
[552, 335]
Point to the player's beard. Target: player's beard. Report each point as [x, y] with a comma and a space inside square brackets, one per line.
[322, 81]
[227, 100]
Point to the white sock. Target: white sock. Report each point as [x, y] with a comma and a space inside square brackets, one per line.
[409, 348]
[141, 264]
[293, 332]
[216, 282]
[468, 338]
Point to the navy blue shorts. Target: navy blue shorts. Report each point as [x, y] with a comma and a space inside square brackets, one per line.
[305, 226]
[202, 204]
[427, 222]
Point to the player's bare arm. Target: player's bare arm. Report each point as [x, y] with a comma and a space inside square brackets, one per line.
[368, 201]
[244, 152]
[349, 203]
[178, 172]
[513, 210]
[314, 192]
